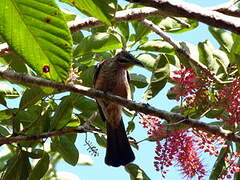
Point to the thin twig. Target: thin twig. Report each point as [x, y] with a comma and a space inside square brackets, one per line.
[179, 50]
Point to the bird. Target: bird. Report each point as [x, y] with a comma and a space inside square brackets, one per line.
[111, 76]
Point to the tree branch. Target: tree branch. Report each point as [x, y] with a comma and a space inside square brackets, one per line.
[131, 105]
[179, 50]
[191, 11]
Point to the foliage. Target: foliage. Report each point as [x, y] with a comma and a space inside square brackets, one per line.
[42, 45]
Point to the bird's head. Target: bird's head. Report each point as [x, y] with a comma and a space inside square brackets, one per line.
[125, 59]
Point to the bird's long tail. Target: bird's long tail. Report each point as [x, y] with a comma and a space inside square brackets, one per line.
[119, 151]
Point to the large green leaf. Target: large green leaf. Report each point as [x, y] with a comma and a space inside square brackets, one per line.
[8, 91]
[148, 60]
[219, 164]
[40, 168]
[176, 25]
[100, 9]
[223, 37]
[67, 149]
[18, 167]
[37, 31]
[216, 60]
[139, 80]
[63, 113]
[135, 172]
[206, 55]
[83, 103]
[157, 46]
[97, 43]
[159, 77]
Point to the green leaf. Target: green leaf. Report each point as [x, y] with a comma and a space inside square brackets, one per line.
[131, 126]
[219, 164]
[77, 37]
[8, 91]
[223, 37]
[18, 167]
[214, 113]
[6, 114]
[191, 50]
[235, 50]
[172, 25]
[4, 131]
[63, 113]
[15, 62]
[40, 168]
[135, 172]
[97, 43]
[67, 149]
[206, 55]
[148, 60]
[31, 96]
[100, 9]
[141, 31]
[138, 80]
[83, 103]
[157, 46]
[2, 100]
[159, 77]
[38, 33]
[101, 140]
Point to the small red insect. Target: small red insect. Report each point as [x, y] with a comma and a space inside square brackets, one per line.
[46, 68]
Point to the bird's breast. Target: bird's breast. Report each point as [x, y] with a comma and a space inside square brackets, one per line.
[115, 83]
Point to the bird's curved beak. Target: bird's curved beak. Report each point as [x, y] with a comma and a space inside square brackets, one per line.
[135, 61]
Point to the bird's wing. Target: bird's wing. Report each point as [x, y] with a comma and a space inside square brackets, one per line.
[97, 70]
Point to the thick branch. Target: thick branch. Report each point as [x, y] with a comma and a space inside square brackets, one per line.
[183, 9]
[121, 16]
[131, 105]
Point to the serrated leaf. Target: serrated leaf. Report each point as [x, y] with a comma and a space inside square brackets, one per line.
[223, 37]
[31, 96]
[40, 168]
[172, 25]
[38, 32]
[100, 9]
[135, 172]
[8, 91]
[219, 164]
[138, 80]
[97, 43]
[157, 46]
[63, 113]
[159, 77]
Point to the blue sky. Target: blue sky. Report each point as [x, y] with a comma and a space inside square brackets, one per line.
[145, 154]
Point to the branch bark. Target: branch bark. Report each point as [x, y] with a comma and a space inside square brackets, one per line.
[131, 105]
[191, 11]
